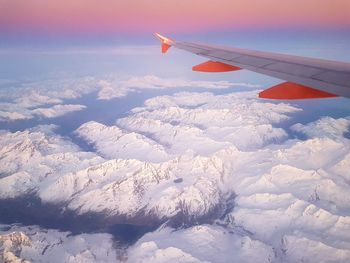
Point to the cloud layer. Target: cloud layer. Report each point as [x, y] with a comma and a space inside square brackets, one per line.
[44, 99]
[47, 99]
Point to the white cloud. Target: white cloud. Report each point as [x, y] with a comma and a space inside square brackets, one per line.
[154, 82]
[13, 111]
[109, 90]
[26, 101]
[35, 99]
[11, 116]
[32, 93]
[57, 110]
[112, 89]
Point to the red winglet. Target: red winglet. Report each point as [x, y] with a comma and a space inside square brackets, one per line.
[165, 47]
[214, 66]
[293, 91]
[166, 42]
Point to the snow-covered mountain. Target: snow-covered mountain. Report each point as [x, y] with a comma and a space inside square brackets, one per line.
[31, 157]
[203, 243]
[113, 142]
[224, 162]
[187, 186]
[34, 244]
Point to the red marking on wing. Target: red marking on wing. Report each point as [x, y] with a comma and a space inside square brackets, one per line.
[165, 47]
[293, 91]
[213, 66]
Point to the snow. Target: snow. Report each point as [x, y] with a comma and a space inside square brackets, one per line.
[324, 127]
[130, 187]
[301, 249]
[209, 121]
[113, 142]
[41, 245]
[36, 156]
[202, 243]
[291, 195]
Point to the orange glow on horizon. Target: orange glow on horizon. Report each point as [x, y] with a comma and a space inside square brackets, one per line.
[106, 16]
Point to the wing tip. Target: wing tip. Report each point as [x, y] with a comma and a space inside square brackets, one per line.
[162, 38]
[165, 42]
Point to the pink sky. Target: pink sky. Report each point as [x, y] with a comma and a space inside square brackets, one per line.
[113, 16]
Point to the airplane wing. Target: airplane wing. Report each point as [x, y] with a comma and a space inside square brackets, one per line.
[306, 78]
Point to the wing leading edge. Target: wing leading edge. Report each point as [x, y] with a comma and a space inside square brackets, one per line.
[306, 78]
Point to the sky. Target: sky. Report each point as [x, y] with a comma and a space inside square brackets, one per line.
[70, 19]
[41, 37]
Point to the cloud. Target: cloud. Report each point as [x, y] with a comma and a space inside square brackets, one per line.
[12, 112]
[26, 101]
[122, 87]
[35, 99]
[57, 110]
[154, 82]
[11, 116]
[110, 91]
[53, 90]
